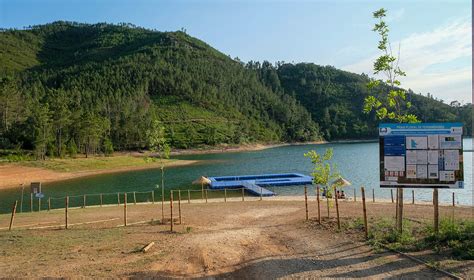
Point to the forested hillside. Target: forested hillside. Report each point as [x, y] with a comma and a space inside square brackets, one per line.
[69, 87]
[335, 99]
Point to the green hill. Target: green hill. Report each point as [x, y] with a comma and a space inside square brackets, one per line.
[335, 99]
[68, 87]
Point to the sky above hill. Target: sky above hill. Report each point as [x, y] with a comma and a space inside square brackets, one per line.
[434, 36]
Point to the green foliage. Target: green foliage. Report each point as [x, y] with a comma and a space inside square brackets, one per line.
[457, 235]
[103, 81]
[67, 82]
[157, 141]
[390, 103]
[383, 231]
[454, 236]
[108, 147]
[72, 148]
[324, 173]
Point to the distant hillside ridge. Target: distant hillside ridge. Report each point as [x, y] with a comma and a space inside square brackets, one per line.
[69, 88]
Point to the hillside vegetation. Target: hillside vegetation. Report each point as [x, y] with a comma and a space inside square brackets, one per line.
[68, 88]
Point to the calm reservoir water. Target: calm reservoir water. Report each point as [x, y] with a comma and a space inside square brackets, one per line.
[357, 162]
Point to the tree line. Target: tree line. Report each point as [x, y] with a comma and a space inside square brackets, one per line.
[69, 88]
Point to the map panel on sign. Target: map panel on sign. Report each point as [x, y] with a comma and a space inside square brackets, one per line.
[417, 143]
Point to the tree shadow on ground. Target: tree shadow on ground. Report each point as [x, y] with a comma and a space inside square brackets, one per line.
[373, 266]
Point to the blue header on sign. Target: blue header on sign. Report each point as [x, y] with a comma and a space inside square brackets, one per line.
[419, 125]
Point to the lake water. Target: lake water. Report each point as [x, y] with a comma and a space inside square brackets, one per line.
[357, 162]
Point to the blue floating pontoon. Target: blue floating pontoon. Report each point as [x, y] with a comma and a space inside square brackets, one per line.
[254, 184]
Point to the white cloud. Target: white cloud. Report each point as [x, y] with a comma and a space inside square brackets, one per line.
[447, 49]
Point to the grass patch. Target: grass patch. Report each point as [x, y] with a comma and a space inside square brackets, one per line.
[455, 238]
[95, 163]
[15, 155]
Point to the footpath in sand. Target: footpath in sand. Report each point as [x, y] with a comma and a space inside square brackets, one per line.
[233, 240]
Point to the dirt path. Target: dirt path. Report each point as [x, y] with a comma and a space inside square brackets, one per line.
[234, 240]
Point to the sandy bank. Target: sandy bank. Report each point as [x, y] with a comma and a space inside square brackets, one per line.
[14, 174]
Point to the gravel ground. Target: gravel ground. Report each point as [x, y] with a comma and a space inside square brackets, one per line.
[234, 240]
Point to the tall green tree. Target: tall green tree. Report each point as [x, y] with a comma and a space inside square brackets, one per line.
[388, 102]
[42, 130]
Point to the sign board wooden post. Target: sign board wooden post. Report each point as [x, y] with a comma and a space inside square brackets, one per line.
[35, 189]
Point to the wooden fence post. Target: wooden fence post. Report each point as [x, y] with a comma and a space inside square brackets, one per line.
[118, 199]
[153, 197]
[39, 204]
[202, 191]
[189, 196]
[13, 215]
[125, 209]
[171, 211]
[396, 210]
[134, 199]
[412, 196]
[327, 202]
[31, 202]
[306, 201]
[454, 204]
[365, 212]
[355, 195]
[337, 209]
[243, 194]
[391, 194]
[206, 194]
[225, 195]
[436, 210]
[179, 206]
[373, 195]
[261, 190]
[21, 200]
[66, 206]
[101, 200]
[49, 204]
[84, 202]
[319, 207]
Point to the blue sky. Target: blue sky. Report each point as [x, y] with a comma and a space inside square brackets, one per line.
[435, 36]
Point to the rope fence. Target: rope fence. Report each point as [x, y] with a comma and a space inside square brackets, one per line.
[186, 196]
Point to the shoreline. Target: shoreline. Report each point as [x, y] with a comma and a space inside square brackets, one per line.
[13, 175]
[259, 147]
[26, 174]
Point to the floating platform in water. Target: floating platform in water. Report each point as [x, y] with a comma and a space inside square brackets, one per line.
[255, 184]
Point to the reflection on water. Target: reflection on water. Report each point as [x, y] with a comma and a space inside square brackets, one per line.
[357, 162]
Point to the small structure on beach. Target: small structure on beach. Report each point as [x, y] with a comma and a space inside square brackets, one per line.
[255, 184]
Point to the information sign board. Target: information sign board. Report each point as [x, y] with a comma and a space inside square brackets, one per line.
[421, 155]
